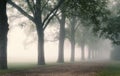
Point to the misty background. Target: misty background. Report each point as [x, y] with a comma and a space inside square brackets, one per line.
[22, 42]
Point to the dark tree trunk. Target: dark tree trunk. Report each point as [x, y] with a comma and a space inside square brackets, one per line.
[61, 40]
[82, 52]
[41, 59]
[3, 35]
[40, 32]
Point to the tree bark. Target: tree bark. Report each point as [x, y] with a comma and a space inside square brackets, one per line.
[61, 40]
[3, 35]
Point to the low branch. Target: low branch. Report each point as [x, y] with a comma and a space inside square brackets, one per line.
[48, 20]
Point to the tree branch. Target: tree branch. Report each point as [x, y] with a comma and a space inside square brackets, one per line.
[45, 4]
[21, 10]
[48, 20]
[30, 6]
[53, 10]
[59, 20]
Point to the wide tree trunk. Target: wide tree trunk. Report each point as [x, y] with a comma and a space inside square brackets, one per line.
[82, 52]
[41, 59]
[3, 35]
[40, 33]
[61, 40]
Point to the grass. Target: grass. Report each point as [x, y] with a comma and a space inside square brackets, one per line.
[112, 69]
[13, 67]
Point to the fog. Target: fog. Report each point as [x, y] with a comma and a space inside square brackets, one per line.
[22, 42]
[19, 52]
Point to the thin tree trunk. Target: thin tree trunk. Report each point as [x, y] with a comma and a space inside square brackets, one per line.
[89, 54]
[72, 44]
[61, 40]
[73, 51]
[82, 52]
[3, 35]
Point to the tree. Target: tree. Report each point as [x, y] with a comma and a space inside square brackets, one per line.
[88, 10]
[37, 8]
[3, 34]
[81, 39]
[73, 25]
[61, 38]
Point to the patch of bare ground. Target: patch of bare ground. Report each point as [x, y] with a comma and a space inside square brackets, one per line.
[82, 69]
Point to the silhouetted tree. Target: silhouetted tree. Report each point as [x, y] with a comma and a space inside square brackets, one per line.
[37, 8]
[61, 37]
[3, 34]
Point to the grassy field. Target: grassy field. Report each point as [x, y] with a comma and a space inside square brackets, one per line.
[112, 69]
[67, 69]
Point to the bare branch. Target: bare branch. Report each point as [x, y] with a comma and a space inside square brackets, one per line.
[30, 6]
[45, 4]
[21, 10]
[59, 20]
[56, 7]
[48, 20]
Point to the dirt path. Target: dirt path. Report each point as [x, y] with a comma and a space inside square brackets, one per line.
[82, 69]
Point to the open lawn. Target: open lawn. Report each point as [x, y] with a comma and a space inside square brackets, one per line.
[67, 69]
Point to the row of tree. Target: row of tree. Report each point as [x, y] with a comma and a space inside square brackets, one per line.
[41, 12]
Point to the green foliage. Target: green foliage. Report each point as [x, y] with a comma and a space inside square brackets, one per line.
[88, 8]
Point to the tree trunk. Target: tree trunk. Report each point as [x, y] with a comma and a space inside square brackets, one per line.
[89, 54]
[93, 55]
[40, 32]
[41, 59]
[61, 40]
[82, 52]
[3, 35]
[73, 51]
[72, 43]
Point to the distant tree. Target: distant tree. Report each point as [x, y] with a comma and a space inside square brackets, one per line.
[3, 34]
[36, 10]
[94, 11]
[61, 20]
[81, 39]
[73, 24]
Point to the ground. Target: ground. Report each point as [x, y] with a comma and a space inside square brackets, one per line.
[68, 69]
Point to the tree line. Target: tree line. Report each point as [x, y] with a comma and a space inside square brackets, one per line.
[90, 13]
